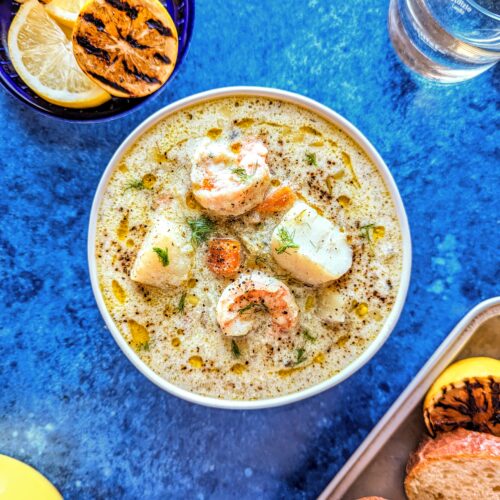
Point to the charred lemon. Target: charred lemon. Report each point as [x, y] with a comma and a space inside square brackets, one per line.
[466, 394]
[42, 57]
[128, 47]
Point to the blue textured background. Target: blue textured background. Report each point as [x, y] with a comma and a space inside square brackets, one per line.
[75, 408]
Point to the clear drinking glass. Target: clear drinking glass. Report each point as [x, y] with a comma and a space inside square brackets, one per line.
[446, 40]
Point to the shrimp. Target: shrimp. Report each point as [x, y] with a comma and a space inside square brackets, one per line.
[255, 292]
[229, 179]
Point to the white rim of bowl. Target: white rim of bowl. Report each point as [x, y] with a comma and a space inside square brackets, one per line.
[332, 117]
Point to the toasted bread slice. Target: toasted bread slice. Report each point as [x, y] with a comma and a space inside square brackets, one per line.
[456, 465]
[128, 47]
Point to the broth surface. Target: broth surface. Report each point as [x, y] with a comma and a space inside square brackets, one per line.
[174, 330]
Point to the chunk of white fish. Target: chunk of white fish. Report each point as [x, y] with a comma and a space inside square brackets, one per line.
[310, 247]
[166, 255]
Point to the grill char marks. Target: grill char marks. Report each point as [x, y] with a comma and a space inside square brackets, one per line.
[131, 12]
[158, 26]
[128, 47]
[495, 397]
[473, 405]
[139, 75]
[90, 18]
[162, 57]
[104, 80]
[134, 43]
[92, 49]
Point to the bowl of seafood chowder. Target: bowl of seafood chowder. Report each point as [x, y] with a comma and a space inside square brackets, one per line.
[248, 248]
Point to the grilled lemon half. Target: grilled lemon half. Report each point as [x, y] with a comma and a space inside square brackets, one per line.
[42, 56]
[128, 47]
[466, 394]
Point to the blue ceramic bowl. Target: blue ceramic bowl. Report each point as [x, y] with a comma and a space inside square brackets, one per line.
[182, 12]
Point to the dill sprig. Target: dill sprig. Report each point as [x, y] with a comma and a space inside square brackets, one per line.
[162, 255]
[311, 159]
[308, 336]
[366, 232]
[259, 306]
[182, 302]
[286, 240]
[241, 173]
[301, 357]
[135, 184]
[235, 349]
[260, 260]
[201, 228]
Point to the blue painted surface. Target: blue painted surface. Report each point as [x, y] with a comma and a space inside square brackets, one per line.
[75, 408]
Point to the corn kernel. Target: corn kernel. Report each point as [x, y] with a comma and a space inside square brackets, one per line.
[275, 182]
[236, 147]
[319, 358]
[192, 300]
[342, 341]
[344, 201]
[176, 342]
[139, 333]
[245, 122]
[333, 144]
[196, 361]
[214, 133]
[190, 201]
[310, 302]
[148, 181]
[118, 292]
[378, 232]
[130, 243]
[306, 129]
[361, 309]
[238, 368]
[330, 182]
[122, 230]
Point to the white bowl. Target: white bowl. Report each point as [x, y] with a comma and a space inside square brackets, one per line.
[360, 139]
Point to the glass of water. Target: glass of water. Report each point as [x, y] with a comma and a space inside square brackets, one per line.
[446, 40]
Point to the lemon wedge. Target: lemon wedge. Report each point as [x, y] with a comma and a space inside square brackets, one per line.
[43, 57]
[19, 481]
[65, 12]
[465, 395]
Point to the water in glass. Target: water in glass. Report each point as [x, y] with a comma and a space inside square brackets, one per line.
[446, 40]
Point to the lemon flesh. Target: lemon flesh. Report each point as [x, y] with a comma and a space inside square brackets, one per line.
[465, 395]
[19, 481]
[65, 11]
[43, 57]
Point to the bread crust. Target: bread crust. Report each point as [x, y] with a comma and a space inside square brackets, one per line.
[458, 444]
[372, 498]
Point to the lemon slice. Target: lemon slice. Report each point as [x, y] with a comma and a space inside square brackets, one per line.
[465, 395]
[65, 11]
[43, 57]
[19, 481]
